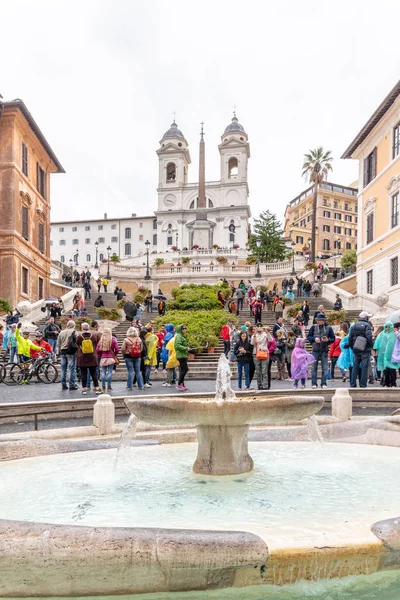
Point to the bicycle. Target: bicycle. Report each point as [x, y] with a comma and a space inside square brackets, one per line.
[41, 367]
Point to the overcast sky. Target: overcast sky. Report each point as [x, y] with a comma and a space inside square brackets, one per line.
[102, 79]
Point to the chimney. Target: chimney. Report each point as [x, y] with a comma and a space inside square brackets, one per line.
[133, 215]
[105, 215]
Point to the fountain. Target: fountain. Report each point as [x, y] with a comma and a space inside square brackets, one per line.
[223, 423]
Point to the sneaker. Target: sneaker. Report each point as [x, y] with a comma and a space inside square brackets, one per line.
[303, 387]
[134, 385]
[73, 387]
[295, 386]
[164, 371]
[98, 390]
[344, 379]
[147, 385]
[84, 391]
[25, 382]
[64, 387]
[166, 384]
[314, 387]
[109, 389]
[324, 387]
[184, 388]
[178, 387]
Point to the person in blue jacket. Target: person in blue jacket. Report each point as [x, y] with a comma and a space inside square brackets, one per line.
[170, 329]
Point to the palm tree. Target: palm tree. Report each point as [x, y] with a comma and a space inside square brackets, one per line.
[317, 164]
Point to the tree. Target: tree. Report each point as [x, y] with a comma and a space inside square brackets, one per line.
[317, 164]
[349, 258]
[269, 231]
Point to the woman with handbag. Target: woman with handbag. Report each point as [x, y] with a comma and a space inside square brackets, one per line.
[259, 342]
[243, 352]
[107, 349]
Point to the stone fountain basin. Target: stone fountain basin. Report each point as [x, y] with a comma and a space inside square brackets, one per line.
[232, 413]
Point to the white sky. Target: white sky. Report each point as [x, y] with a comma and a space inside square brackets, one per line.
[102, 79]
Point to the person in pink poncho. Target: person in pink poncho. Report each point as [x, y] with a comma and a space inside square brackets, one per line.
[301, 360]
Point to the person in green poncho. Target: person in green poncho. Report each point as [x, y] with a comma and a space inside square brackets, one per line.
[384, 344]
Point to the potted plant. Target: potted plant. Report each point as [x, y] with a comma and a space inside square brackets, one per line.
[195, 246]
[5, 306]
[174, 248]
[212, 341]
[222, 260]
[185, 260]
[158, 262]
[236, 246]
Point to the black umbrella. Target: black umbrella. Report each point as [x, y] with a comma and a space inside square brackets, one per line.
[160, 297]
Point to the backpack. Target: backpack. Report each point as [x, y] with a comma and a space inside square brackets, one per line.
[97, 303]
[72, 345]
[135, 349]
[87, 345]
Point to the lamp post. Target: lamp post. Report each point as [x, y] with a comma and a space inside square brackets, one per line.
[96, 266]
[76, 258]
[309, 246]
[258, 244]
[293, 244]
[108, 261]
[147, 244]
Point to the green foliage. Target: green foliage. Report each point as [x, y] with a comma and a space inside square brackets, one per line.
[115, 259]
[121, 303]
[222, 260]
[203, 326]
[185, 260]
[80, 320]
[138, 297]
[349, 258]
[269, 231]
[142, 289]
[159, 261]
[311, 266]
[293, 310]
[194, 297]
[5, 306]
[317, 164]
[251, 260]
[112, 314]
[336, 315]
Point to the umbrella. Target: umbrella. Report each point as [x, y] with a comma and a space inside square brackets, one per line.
[160, 297]
[394, 317]
[50, 300]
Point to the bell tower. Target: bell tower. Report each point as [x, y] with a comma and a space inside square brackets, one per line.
[174, 160]
[235, 152]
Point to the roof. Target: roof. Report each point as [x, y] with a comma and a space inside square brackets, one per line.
[234, 126]
[17, 103]
[173, 131]
[373, 120]
[101, 221]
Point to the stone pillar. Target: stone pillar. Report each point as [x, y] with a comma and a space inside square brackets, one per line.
[104, 414]
[342, 404]
[223, 450]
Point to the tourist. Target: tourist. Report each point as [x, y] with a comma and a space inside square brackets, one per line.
[296, 329]
[55, 310]
[12, 343]
[87, 359]
[301, 361]
[280, 354]
[269, 300]
[98, 283]
[342, 273]
[271, 349]
[161, 307]
[345, 361]
[300, 282]
[320, 336]
[278, 325]
[25, 345]
[130, 310]
[140, 308]
[259, 341]
[39, 341]
[4, 339]
[182, 354]
[160, 343]
[321, 309]
[334, 355]
[385, 344]
[361, 342]
[149, 301]
[338, 303]
[67, 347]
[105, 283]
[166, 355]
[305, 309]
[226, 333]
[107, 349]
[132, 351]
[316, 289]
[275, 289]
[221, 298]
[334, 274]
[289, 294]
[235, 339]
[240, 294]
[325, 272]
[88, 275]
[252, 368]
[278, 305]
[290, 344]
[243, 352]
[300, 320]
[285, 285]
[257, 311]
[151, 342]
[121, 294]
[99, 301]
[306, 289]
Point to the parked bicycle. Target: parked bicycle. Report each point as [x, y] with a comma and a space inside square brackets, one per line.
[42, 368]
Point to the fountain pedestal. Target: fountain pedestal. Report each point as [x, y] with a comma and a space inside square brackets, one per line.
[223, 450]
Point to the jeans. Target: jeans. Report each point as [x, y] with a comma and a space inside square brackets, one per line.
[306, 294]
[261, 373]
[296, 382]
[334, 360]
[133, 366]
[159, 359]
[53, 344]
[183, 369]
[147, 374]
[245, 366]
[323, 357]
[299, 290]
[227, 347]
[106, 373]
[68, 360]
[239, 305]
[105, 289]
[13, 353]
[284, 290]
[87, 295]
[361, 363]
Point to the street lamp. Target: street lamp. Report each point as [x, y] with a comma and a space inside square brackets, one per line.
[76, 258]
[293, 244]
[309, 246]
[108, 261]
[96, 266]
[147, 244]
[258, 244]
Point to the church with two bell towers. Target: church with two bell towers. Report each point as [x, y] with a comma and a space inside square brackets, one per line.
[206, 213]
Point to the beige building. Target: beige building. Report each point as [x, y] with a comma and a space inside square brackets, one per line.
[377, 148]
[337, 219]
[26, 161]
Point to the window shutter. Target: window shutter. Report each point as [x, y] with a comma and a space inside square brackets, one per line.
[373, 165]
[365, 171]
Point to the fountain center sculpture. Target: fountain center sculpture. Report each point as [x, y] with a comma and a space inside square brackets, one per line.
[223, 423]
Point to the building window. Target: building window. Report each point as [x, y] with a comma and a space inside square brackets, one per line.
[74, 229]
[346, 207]
[327, 214]
[325, 202]
[75, 242]
[327, 245]
[336, 244]
[141, 225]
[347, 231]
[41, 238]
[128, 249]
[114, 240]
[233, 168]
[24, 282]
[155, 239]
[337, 229]
[87, 240]
[335, 204]
[25, 161]
[370, 282]
[140, 238]
[326, 228]
[25, 222]
[101, 256]
[303, 223]
[100, 227]
[338, 216]
[113, 226]
[348, 218]
[299, 239]
[370, 229]
[395, 210]
[40, 180]
[394, 271]
[370, 167]
[171, 172]
[101, 240]
[154, 223]
[128, 233]
[348, 246]
[88, 258]
[396, 140]
[169, 240]
[62, 242]
[87, 227]
[62, 258]
[309, 218]
[61, 229]
[40, 288]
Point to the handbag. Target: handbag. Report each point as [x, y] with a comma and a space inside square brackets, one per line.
[261, 354]
[116, 359]
[360, 343]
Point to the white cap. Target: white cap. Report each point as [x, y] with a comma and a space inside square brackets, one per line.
[364, 315]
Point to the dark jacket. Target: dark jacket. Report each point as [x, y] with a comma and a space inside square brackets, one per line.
[50, 331]
[87, 360]
[362, 328]
[338, 304]
[241, 357]
[319, 331]
[307, 286]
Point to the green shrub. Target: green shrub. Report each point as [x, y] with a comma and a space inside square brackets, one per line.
[138, 297]
[336, 315]
[158, 262]
[185, 260]
[5, 306]
[349, 258]
[121, 303]
[112, 314]
[80, 320]
[293, 310]
[195, 297]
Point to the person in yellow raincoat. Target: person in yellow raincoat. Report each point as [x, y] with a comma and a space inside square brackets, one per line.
[151, 341]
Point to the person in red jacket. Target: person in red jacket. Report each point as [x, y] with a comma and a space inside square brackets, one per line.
[39, 341]
[334, 353]
[226, 333]
[160, 336]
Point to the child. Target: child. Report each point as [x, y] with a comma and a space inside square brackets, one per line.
[290, 344]
[301, 360]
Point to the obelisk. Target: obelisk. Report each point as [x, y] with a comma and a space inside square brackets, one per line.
[201, 227]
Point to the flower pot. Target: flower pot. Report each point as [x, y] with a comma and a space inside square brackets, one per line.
[191, 356]
[210, 349]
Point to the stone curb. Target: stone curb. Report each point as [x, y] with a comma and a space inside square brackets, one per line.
[388, 532]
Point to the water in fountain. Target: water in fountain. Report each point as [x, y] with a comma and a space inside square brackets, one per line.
[313, 430]
[223, 389]
[127, 436]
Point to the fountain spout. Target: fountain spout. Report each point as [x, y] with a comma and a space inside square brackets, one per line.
[223, 389]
